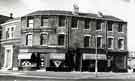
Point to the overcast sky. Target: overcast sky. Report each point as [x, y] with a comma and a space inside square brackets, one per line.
[124, 9]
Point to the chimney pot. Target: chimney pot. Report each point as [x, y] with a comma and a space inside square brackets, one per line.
[11, 15]
[100, 14]
[76, 9]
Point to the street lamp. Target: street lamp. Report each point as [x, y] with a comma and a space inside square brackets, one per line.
[96, 60]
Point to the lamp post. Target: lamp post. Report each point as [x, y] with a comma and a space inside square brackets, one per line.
[96, 60]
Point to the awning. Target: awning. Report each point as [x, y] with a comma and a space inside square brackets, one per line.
[24, 56]
[60, 56]
[93, 56]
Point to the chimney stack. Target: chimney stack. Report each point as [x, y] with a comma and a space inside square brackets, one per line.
[76, 9]
[11, 15]
[100, 14]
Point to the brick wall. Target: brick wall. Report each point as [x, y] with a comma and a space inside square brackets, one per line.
[76, 36]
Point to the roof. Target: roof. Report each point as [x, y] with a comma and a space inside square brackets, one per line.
[11, 21]
[69, 13]
[3, 18]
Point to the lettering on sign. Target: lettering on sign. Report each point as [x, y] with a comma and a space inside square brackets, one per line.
[57, 63]
[57, 56]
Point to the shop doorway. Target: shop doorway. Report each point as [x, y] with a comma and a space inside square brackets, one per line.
[44, 61]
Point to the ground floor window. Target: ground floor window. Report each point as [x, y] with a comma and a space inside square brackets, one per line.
[89, 65]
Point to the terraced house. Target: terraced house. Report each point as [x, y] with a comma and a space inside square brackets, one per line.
[3, 19]
[71, 41]
[11, 33]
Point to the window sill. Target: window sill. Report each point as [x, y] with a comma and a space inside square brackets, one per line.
[87, 29]
[56, 46]
[109, 31]
[111, 48]
[61, 26]
[120, 32]
[99, 30]
[43, 45]
[75, 28]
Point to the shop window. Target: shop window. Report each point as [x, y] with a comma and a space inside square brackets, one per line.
[121, 44]
[61, 39]
[87, 26]
[29, 39]
[86, 41]
[44, 21]
[43, 39]
[61, 21]
[110, 43]
[99, 42]
[74, 22]
[30, 23]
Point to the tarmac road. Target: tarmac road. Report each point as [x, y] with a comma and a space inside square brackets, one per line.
[13, 78]
[64, 76]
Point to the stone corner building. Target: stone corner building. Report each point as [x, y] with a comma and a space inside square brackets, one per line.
[65, 41]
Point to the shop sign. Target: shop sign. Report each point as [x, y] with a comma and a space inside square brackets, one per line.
[23, 50]
[57, 63]
[57, 56]
[94, 56]
[24, 56]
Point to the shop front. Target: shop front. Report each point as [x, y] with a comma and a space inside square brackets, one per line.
[88, 62]
[57, 62]
[27, 61]
[41, 59]
[118, 61]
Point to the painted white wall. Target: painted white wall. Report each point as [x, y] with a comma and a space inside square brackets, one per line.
[8, 59]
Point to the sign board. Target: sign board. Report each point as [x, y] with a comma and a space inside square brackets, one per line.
[57, 56]
[23, 50]
[57, 63]
[94, 56]
[24, 56]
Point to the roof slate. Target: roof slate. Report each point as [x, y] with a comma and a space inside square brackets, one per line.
[69, 13]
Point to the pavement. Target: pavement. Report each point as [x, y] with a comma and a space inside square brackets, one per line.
[68, 75]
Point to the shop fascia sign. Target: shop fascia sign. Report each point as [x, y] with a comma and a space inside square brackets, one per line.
[57, 56]
[23, 50]
[94, 56]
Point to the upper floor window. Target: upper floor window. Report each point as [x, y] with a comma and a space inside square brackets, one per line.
[110, 43]
[61, 21]
[44, 21]
[98, 25]
[12, 32]
[61, 38]
[43, 39]
[87, 24]
[120, 28]
[99, 42]
[29, 39]
[121, 44]
[86, 41]
[110, 28]
[30, 23]
[7, 33]
[74, 22]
